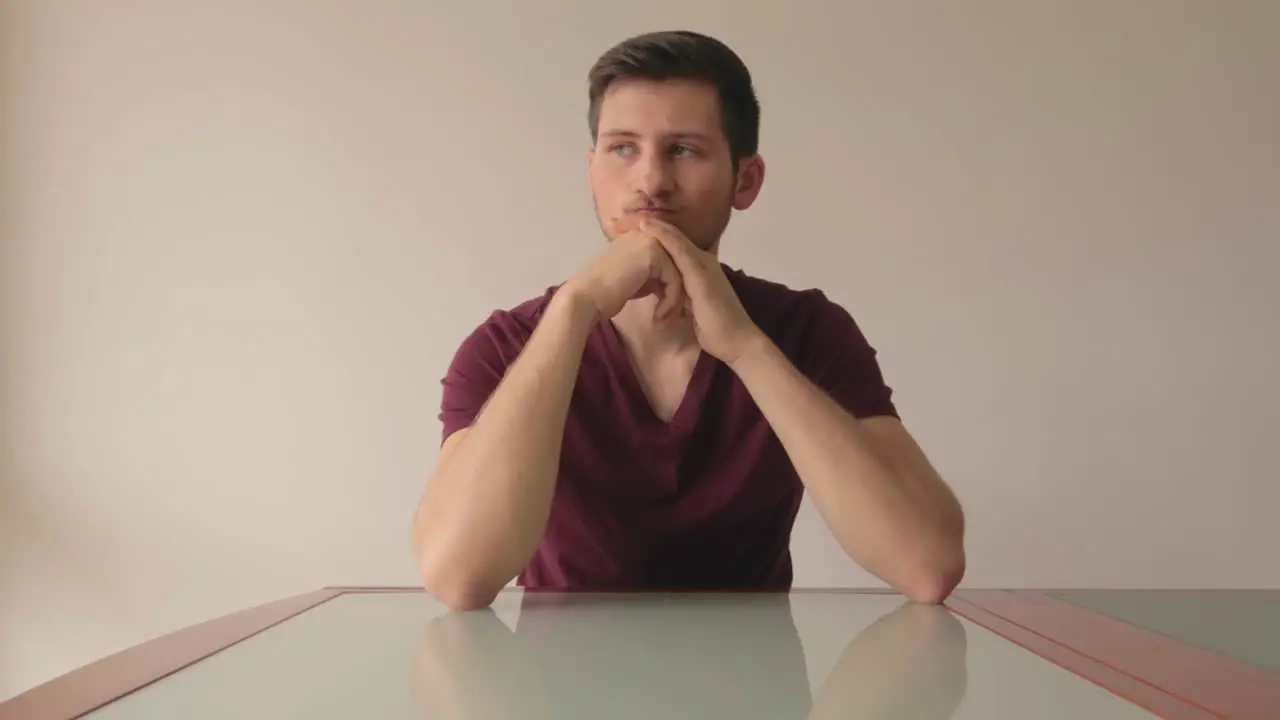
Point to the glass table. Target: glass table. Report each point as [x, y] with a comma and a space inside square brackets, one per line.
[394, 653]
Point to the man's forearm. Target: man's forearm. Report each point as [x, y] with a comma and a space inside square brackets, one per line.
[486, 507]
[900, 523]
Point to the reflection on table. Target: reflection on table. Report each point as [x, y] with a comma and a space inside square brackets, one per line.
[578, 657]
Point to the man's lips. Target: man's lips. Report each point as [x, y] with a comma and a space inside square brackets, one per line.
[634, 216]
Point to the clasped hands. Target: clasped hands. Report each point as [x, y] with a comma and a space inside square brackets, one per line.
[648, 256]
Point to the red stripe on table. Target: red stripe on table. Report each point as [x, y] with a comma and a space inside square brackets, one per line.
[99, 683]
[1226, 687]
[1143, 694]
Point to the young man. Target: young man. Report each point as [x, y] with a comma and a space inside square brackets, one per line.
[653, 422]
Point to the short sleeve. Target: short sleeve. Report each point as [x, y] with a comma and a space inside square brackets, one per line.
[837, 357]
[478, 365]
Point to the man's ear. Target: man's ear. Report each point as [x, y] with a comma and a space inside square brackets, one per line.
[749, 181]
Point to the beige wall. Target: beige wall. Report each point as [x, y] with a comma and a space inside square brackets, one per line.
[240, 241]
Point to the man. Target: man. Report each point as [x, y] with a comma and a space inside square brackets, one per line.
[653, 422]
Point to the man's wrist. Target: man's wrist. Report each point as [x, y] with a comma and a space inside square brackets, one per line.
[575, 306]
[755, 349]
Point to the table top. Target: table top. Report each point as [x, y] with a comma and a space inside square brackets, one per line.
[396, 653]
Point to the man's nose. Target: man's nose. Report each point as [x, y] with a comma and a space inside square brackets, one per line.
[654, 175]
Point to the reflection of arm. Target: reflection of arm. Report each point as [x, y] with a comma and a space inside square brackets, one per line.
[909, 664]
[470, 666]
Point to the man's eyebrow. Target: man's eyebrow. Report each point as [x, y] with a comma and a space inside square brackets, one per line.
[679, 135]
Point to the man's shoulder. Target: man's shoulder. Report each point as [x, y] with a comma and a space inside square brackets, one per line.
[497, 340]
[755, 286]
[482, 358]
[822, 338]
[777, 307]
[515, 323]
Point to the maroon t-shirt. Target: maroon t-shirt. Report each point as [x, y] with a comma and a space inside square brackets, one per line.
[706, 501]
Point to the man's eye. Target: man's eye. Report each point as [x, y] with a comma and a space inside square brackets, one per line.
[684, 150]
[622, 148]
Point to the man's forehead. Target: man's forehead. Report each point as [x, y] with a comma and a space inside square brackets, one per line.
[668, 106]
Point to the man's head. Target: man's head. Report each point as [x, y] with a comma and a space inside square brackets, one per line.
[675, 125]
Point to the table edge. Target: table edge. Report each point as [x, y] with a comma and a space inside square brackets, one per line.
[1220, 685]
[362, 589]
[106, 680]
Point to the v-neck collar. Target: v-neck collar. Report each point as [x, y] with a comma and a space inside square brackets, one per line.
[686, 415]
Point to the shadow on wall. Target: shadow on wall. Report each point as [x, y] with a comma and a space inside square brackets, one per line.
[7, 345]
[56, 547]
[7, 281]
[26, 540]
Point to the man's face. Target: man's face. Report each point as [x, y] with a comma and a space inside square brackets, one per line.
[661, 150]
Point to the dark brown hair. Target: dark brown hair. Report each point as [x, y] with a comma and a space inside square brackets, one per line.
[684, 55]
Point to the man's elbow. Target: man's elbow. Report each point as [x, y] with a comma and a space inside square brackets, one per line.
[446, 580]
[458, 590]
[462, 598]
[933, 581]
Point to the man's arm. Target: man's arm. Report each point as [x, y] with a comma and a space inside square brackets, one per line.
[872, 485]
[486, 505]
[874, 488]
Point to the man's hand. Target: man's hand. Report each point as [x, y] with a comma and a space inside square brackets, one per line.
[633, 266]
[721, 322]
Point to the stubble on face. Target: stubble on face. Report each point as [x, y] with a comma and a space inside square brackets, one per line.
[705, 234]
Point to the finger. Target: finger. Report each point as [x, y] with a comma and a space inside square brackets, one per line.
[673, 296]
[677, 242]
